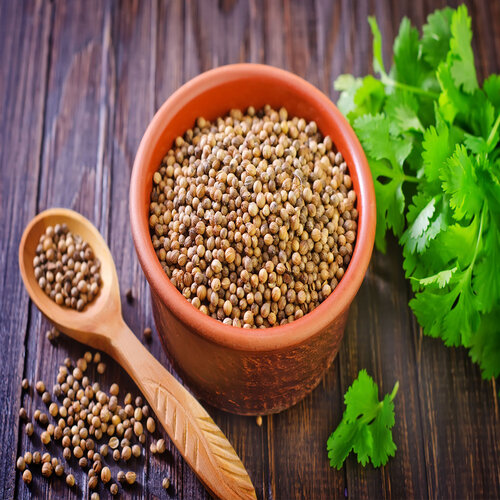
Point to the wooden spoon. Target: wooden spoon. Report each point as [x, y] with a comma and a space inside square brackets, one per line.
[101, 326]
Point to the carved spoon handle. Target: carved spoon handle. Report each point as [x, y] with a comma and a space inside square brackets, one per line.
[190, 427]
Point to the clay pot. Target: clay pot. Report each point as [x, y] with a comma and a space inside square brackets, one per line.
[256, 371]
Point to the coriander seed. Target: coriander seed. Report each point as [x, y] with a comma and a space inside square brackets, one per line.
[21, 464]
[27, 476]
[47, 469]
[166, 483]
[105, 475]
[150, 425]
[70, 480]
[130, 477]
[28, 458]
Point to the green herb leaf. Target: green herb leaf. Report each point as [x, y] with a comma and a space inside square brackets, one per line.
[366, 426]
[432, 138]
[461, 55]
[436, 36]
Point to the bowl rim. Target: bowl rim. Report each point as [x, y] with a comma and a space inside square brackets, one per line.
[253, 339]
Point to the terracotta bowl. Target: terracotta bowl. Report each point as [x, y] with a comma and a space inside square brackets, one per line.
[256, 371]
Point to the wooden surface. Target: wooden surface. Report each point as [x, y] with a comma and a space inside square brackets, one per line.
[79, 82]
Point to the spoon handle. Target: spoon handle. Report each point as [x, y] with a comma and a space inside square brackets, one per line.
[190, 427]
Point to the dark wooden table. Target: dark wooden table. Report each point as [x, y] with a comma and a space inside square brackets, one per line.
[79, 82]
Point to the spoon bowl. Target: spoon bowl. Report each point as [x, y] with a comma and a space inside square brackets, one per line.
[101, 326]
[90, 326]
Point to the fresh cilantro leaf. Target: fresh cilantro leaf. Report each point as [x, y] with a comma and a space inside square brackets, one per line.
[442, 278]
[461, 55]
[386, 155]
[486, 278]
[491, 87]
[366, 426]
[452, 100]
[460, 182]
[424, 222]
[378, 62]
[485, 344]
[436, 36]
[449, 313]
[402, 109]
[408, 65]
[437, 149]
[359, 96]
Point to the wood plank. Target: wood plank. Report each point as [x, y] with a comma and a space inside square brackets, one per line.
[24, 43]
[76, 174]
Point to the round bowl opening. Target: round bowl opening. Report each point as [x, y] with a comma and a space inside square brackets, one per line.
[213, 94]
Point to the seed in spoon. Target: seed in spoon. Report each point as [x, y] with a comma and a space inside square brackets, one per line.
[66, 269]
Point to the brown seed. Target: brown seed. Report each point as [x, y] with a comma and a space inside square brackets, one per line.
[138, 429]
[37, 457]
[160, 445]
[126, 453]
[29, 429]
[166, 483]
[105, 475]
[116, 455]
[93, 481]
[47, 469]
[136, 450]
[40, 387]
[70, 480]
[59, 470]
[150, 425]
[21, 464]
[113, 489]
[121, 476]
[27, 476]
[147, 333]
[23, 415]
[45, 437]
[28, 458]
[101, 368]
[130, 476]
[258, 420]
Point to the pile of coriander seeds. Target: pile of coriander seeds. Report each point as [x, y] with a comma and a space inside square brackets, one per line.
[253, 217]
[91, 426]
[66, 268]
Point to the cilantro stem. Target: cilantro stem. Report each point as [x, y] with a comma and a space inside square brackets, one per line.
[476, 250]
[394, 391]
[410, 178]
[387, 80]
[493, 131]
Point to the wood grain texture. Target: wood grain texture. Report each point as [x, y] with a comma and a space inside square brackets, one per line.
[24, 42]
[79, 82]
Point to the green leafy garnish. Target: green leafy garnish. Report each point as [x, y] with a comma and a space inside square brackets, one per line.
[366, 425]
[432, 138]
